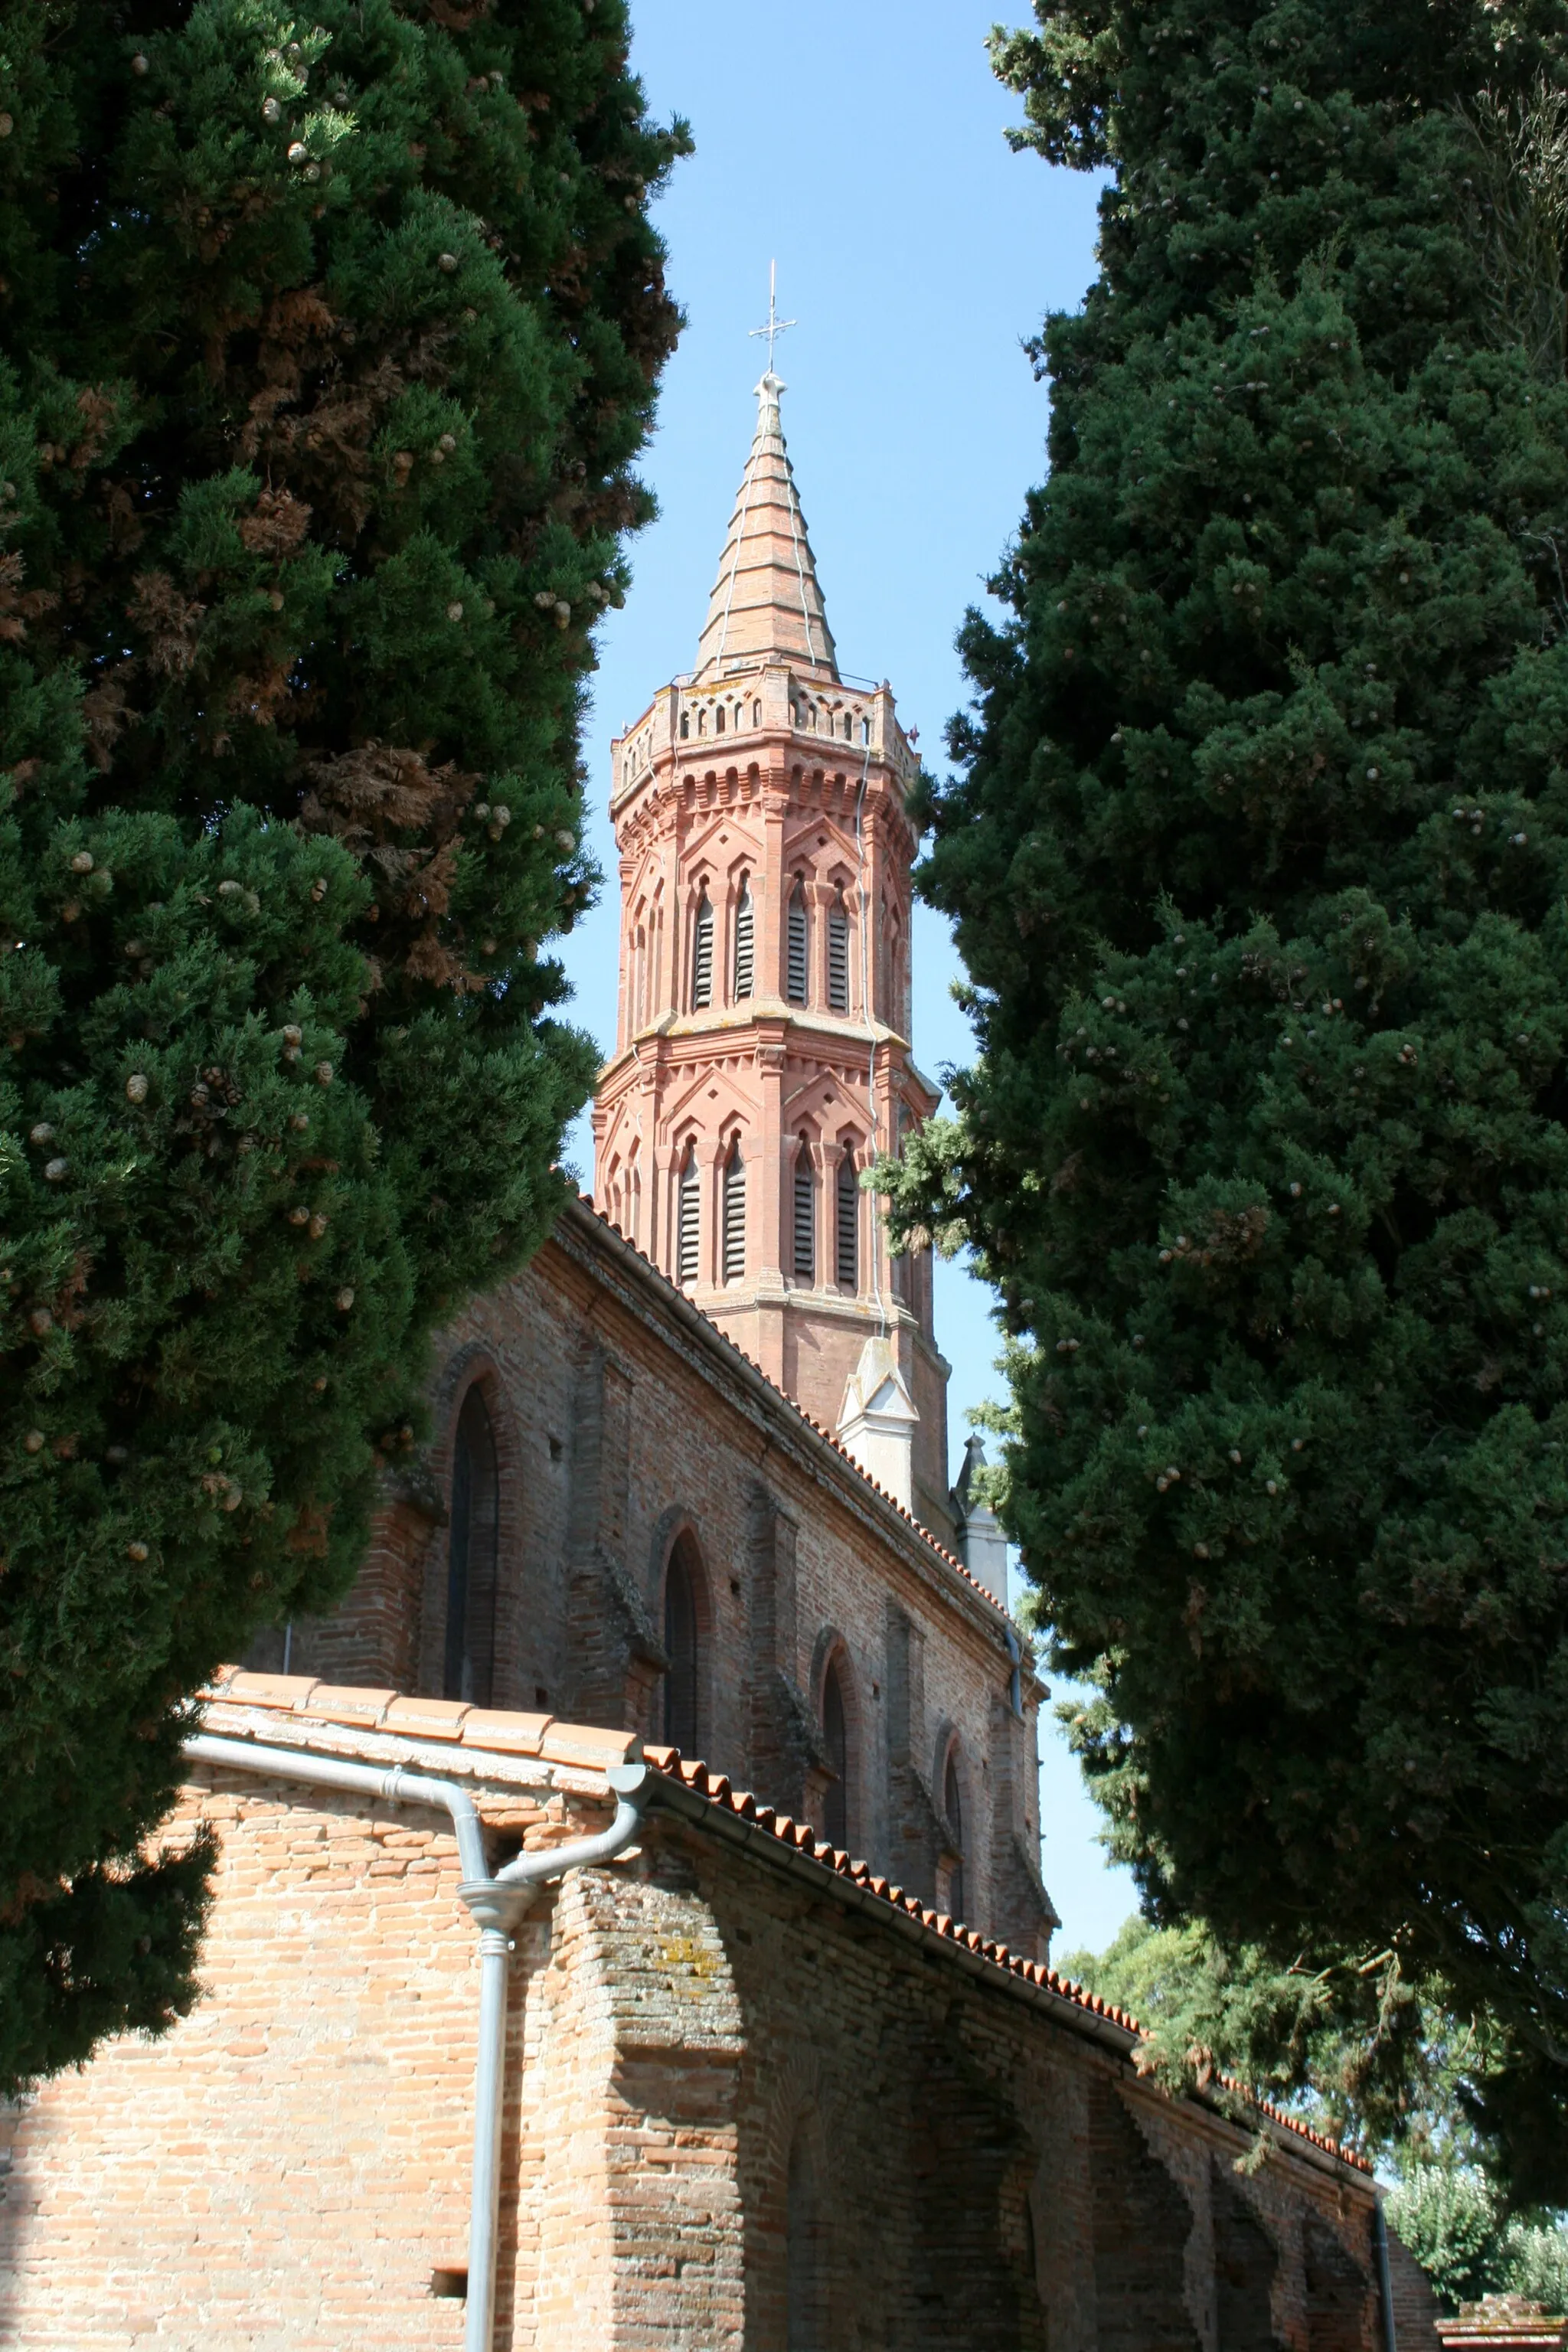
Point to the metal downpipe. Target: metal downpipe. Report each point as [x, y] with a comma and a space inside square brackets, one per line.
[495, 1904]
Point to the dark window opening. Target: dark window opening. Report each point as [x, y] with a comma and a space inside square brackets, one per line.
[804, 2329]
[745, 936]
[796, 973]
[689, 1220]
[472, 1542]
[680, 1644]
[837, 960]
[735, 1237]
[835, 1740]
[703, 957]
[848, 1222]
[804, 1220]
[953, 1806]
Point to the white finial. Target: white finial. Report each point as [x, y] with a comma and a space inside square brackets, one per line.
[776, 326]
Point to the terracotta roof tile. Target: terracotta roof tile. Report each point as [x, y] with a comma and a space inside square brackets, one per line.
[586, 1743]
[347, 1703]
[716, 1789]
[497, 1729]
[427, 1718]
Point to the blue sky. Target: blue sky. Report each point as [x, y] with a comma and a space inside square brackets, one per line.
[861, 146]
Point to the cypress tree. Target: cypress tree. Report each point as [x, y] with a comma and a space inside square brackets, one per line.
[327, 342]
[1258, 855]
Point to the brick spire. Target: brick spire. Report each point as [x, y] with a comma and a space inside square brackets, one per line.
[766, 602]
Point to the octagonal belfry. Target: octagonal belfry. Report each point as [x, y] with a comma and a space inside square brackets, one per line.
[762, 1049]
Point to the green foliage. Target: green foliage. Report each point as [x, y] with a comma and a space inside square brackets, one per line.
[1353, 2047]
[326, 343]
[1258, 858]
[1377, 2064]
[1452, 2222]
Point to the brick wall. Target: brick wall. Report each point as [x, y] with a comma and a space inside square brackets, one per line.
[739, 2088]
[621, 1423]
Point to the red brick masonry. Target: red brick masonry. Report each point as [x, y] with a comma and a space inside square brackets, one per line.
[757, 2097]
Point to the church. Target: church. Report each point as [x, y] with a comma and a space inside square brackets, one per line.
[678, 1672]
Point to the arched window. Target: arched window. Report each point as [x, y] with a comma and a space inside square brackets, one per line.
[734, 1221]
[797, 947]
[953, 1806]
[756, 714]
[864, 730]
[804, 1217]
[682, 1639]
[471, 1546]
[804, 2329]
[745, 940]
[836, 1739]
[847, 1224]
[684, 725]
[702, 721]
[688, 1219]
[838, 957]
[719, 719]
[702, 956]
[846, 726]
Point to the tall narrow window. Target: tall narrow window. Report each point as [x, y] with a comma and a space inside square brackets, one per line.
[835, 1740]
[680, 1645]
[719, 719]
[702, 956]
[847, 1221]
[688, 1219]
[745, 940]
[838, 959]
[805, 1218]
[797, 944]
[953, 1806]
[804, 2325]
[471, 1546]
[735, 1214]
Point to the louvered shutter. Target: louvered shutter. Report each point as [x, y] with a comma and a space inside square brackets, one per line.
[745, 933]
[735, 1214]
[795, 976]
[804, 1221]
[848, 1236]
[837, 960]
[689, 1219]
[702, 958]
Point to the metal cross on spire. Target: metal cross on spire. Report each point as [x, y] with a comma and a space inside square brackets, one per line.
[776, 326]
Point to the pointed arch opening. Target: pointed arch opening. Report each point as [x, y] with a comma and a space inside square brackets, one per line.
[804, 1219]
[745, 940]
[472, 1546]
[685, 1629]
[847, 1222]
[839, 957]
[734, 1242]
[688, 1219]
[953, 1807]
[797, 946]
[703, 955]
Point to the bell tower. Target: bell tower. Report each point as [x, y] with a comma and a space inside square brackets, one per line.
[762, 1049]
